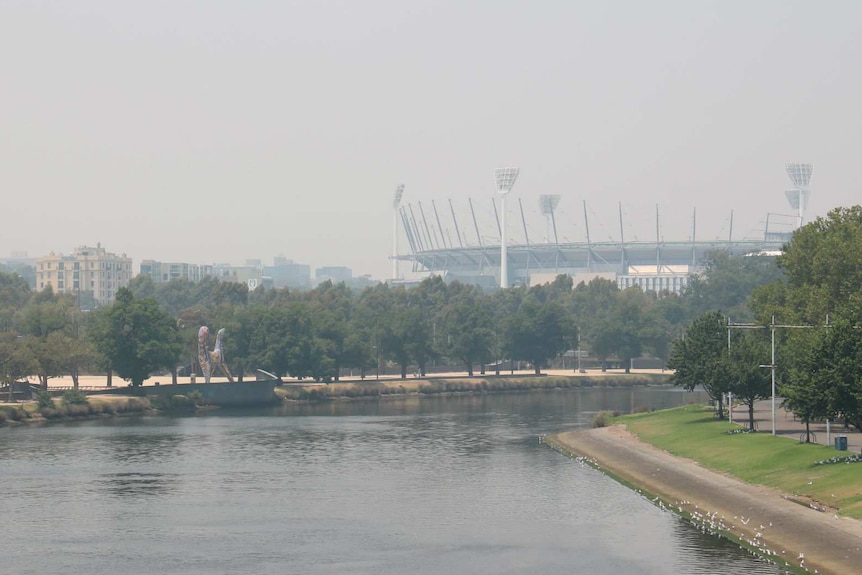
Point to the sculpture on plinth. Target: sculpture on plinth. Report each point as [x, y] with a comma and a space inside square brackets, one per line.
[211, 360]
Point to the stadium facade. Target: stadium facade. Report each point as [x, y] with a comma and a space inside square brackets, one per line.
[657, 265]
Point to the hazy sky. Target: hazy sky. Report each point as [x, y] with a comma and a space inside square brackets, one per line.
[215, 131]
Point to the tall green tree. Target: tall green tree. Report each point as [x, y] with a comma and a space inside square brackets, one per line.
[700, 358]
[466, 322]
[823, 264]
[826, 379]
[537, 333]
[46, 321]
[630, 307]
[136, 337]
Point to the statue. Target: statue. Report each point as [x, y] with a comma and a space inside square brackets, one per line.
[210, 360]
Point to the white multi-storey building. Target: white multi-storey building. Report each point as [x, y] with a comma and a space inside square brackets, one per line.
[162, 272]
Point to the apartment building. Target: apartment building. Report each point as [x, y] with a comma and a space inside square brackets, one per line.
[161, 272]
[89, 270]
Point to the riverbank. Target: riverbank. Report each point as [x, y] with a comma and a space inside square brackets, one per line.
[374, 389]
[779, 527]
[29, 412]
[100, 406]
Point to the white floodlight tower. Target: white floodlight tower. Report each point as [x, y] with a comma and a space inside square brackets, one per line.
[505, 179]
[548, 203]
[800, 175]
[396, 201]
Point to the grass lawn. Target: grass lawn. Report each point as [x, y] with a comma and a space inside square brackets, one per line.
[761, 458]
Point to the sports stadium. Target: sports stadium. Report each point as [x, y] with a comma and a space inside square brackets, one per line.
[471, 245]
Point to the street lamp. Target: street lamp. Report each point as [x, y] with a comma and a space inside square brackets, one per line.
[772, 367]
[505, 179]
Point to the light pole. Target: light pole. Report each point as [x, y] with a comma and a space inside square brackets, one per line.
[772, 366]
[578, 351]
[396, 201]
[377, 363]
[505, 179]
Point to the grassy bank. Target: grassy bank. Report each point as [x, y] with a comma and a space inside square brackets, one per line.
[493, 384]
[792, 467]
[32, 412]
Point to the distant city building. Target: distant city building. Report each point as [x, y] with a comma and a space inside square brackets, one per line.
[335, 274]
[89, 270]
[20, 263]
[161, 272]
[287, 273]
[252, 276]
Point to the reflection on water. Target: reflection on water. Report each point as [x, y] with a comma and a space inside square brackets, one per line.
[135, 484]
[437, 485]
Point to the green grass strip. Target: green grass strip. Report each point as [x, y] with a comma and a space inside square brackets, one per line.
[760, 458]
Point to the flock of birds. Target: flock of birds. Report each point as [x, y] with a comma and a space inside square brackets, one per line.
[711, 523]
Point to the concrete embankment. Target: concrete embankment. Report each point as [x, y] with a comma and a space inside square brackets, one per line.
[780, 528]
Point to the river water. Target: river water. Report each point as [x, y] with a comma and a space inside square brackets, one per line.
[444, 485]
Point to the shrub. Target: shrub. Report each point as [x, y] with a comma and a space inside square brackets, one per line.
[641, 409]
[131, 405]
[51, 412]
[43, 401]
[74, 397]
[180, 401]
[77, 410]
[96, 408]
[603, 418]
[12, 414]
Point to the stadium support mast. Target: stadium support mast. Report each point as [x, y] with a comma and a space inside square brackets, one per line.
[504, 179]
[396, 202]
[524, 222]
[455, 221]
[548, 203]
[800, 175]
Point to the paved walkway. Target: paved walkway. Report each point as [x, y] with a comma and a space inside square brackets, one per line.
[787, 425]
[781, 529]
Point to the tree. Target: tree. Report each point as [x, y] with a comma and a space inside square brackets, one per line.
[142, 286]
[727, 282]
[630, 305]
[592, 309]
[537, 332]
[749, 381]
[15, 360]
[823, 263]
[466, 326]
[270, 339]
[826, 379]
[333, 310]
[136, 337]
[14, 294]
[46, 320]
[700, 358]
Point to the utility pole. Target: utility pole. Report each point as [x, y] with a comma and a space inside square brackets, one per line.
[772, 366]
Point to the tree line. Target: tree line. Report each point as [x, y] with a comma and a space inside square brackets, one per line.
[319, 333]
[814, 314]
